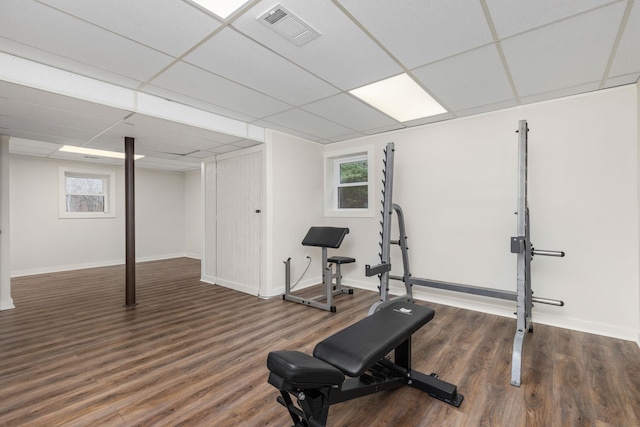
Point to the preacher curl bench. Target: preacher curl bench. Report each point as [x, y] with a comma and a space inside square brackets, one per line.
[323, 237]
[361, 352]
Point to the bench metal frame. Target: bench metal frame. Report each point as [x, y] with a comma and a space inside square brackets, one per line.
[330, 288]
[313, 400]
[313, 404]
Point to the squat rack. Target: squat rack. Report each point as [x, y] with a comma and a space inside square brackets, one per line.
[520, 245]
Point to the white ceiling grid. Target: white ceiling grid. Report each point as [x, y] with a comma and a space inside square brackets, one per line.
[229, 79]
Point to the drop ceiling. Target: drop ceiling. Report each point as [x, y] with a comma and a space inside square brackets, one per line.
[189, 85]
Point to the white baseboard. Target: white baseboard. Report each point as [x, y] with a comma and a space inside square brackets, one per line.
[6, 304]
[159, 257]
[298, 287]
[121, 261]
[60, 268]
[507, 309]
[231, 285]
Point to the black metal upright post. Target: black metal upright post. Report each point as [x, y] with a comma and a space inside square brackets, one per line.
[130, 226]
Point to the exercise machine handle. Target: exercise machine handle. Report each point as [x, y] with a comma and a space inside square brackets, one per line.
[376, 269]
[544, 252]
[548, 301]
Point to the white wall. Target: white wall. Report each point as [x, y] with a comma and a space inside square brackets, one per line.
[210, 230]
[160, 214]
[294, 196]
[41, 242]
[193, 214]
[456, 182]
[638, 122]
[6, 302]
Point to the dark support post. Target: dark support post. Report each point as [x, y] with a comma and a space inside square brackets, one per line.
[130, 226]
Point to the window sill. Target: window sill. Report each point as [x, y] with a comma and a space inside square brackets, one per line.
[351, 213]
[87, 215]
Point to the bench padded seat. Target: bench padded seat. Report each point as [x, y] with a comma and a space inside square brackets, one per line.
[302, 370]
[361, 345]
[325, 237]
[341, 260]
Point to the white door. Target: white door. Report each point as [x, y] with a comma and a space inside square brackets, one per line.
[239, 194]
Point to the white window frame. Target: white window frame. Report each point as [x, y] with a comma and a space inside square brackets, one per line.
[332, 162]
[109, 178]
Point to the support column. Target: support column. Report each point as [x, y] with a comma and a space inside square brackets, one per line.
[130, 229]
[6, 302]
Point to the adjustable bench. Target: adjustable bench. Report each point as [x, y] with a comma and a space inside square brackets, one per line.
[361, 352]
[323, 237]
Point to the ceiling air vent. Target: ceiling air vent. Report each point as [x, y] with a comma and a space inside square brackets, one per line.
[288, 25]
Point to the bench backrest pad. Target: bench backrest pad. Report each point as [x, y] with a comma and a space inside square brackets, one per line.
[361, 345]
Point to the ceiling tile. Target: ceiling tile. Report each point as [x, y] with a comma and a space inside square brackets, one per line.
[539, 60]
[196, 103]
[53, 60]
[343, 55]
[203, 85]
[245, 71]
[154, 23]
[627, 59]
[559, 93]
[104, 142]
[40, 136]
[198, 155]
[487, 108]
[420, 32]
[166, 164]
[467, 80]
[148, 145]
[86, 158]
[171, 167]
[44, 99]
[513, 17]
[430, 119]
[148, 140]
[306, 122]
[34, 144]
[285, 80]
[384, 129]
[342, 138]
[29, 147]
[287, 129]
[350, 112]
[32, 125]
[622, 80]
[175, 130]
[223, 149]
[163, 167]
[20, 150]
[246, 143]
[34, 112]
[34, 24]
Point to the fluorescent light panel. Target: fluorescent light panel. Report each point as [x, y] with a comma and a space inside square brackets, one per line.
[222, 8]
[399, 97]
[93, 152]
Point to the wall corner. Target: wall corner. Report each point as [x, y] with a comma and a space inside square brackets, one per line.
[6, 302]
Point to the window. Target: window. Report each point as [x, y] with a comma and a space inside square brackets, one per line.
[348, 186]
[86, 194]
[352, 183]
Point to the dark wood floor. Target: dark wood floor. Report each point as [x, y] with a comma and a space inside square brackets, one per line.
[194, 354]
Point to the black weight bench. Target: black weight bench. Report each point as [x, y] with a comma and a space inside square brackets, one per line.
[323, 237]
[361, 352]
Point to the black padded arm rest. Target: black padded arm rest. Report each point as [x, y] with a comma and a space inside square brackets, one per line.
[301, 370]
[325, 237]
[361, 345]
